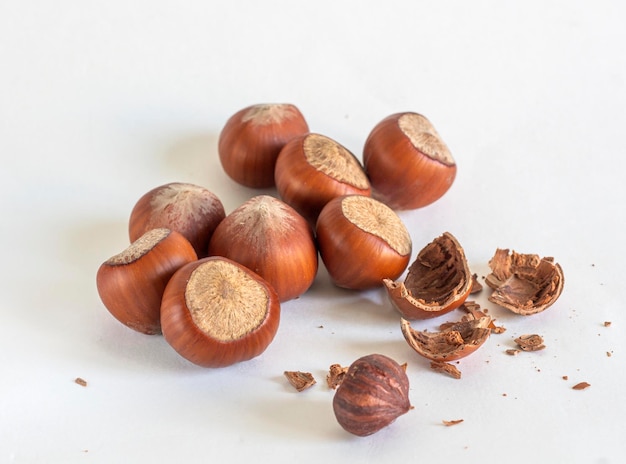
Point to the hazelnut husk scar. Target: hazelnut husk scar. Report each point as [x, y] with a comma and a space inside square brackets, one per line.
[438, 281]
[524, 283]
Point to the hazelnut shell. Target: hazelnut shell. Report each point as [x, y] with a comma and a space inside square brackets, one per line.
[131, 284]
[408, 164]
[362, 241]
[269, 237]
[524, 283]
[456, 341]
[313, 169]
[189, 209]
[252, 138]
[438, 281]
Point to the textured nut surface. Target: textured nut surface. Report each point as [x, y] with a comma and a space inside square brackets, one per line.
[438, 281]
[524, 283]
[373, 393]
[454, 342]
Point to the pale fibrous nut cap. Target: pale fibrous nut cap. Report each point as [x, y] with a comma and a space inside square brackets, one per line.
[224, 301]
[377, 219]
[334, 160]
[264, 114]
[216, 312]
[425, 138]
[139, 247]
[524, 283]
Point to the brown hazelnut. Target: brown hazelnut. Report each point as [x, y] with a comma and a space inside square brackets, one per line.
[373, 393]
[408, 164]
[250, 141]
[269, 237]
[313, 169]
[362, 241]
[189, 209]
[216, 312]
[131, 283]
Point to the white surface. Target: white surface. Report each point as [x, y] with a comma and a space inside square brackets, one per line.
[101, 101]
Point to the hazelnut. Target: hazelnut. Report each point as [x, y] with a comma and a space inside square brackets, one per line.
[216, 312]
[408, 164]
[362, 241]
[438, 281]
[131, 283]
[192, 210]
[313, 169]
[373, 394]
[250, 141]
[524, 283]
[269, 237]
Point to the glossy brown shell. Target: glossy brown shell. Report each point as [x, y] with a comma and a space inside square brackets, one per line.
[306, 188]
[270, 238]
[180, 331]
[189, 209]
[401, 175]
[355, 259]
[132, 291]
[248, 150]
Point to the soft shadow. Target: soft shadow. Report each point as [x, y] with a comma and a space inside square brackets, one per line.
[299, 416]
[194, 158]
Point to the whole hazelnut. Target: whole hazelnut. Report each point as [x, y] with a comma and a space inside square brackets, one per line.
[373, 394]
[313, 169]
[362, 242]
[131, 283]
[250, 141]
[407, 162]
[216, 312]
[269, 237]
[189, 209]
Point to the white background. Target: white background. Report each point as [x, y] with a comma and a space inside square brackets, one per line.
[102, 101]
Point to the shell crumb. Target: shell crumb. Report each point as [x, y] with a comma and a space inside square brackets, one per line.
[300, 380]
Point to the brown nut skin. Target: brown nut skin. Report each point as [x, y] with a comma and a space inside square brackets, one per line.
[407, 163]
[269, 237]
[313, 169]
[216, 312]
[362, 242]
[131, 284]
[250, 141]
[192, 210]
[373, 394]
[438, 281]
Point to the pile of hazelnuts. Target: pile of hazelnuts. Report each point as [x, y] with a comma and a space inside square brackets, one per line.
[213, 283]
